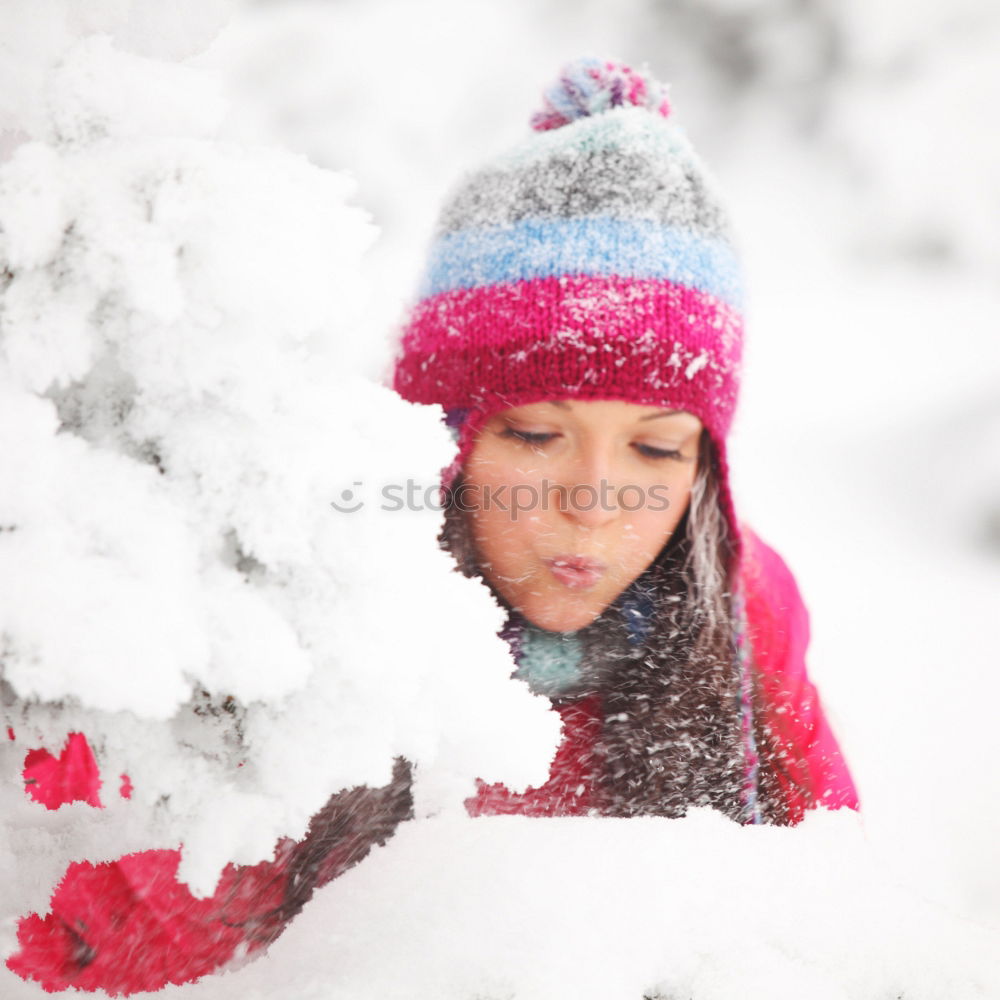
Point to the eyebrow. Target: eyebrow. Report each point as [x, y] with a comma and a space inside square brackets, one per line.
[563, 405]
[665, 413]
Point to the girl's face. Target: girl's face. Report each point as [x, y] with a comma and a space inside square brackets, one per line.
[569, 502]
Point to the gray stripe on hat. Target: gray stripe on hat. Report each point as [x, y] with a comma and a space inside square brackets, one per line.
[606, 182]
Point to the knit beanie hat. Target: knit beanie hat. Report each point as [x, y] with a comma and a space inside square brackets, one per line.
[592, 261]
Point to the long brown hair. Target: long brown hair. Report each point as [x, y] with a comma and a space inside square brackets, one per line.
[672, 735]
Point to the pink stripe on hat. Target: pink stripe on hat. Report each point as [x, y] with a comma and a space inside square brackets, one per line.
[643, 341]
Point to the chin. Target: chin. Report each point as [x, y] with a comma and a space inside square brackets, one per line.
[561, 619]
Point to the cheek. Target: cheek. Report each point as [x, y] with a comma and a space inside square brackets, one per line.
[642, 537]
[502, 506]
[508, 535]
[493, 531]
[501, 540]
[654, 519]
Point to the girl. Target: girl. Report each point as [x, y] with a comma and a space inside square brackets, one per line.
[581, 326]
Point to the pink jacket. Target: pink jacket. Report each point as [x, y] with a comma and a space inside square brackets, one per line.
[130, 925]
[779, 637]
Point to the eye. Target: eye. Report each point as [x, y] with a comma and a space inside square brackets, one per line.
[648, 451]
[528, 437]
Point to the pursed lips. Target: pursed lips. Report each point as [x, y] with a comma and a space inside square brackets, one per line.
[576, 572]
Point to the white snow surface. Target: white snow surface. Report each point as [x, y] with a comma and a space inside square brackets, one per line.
[188, 294]
[604, 909]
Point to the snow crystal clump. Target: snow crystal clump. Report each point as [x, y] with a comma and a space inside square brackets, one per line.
[179, 405]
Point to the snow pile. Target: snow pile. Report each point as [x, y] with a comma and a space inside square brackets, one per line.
[511, 907]
[179, 406]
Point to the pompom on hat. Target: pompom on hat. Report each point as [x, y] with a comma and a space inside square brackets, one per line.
[592, 261]
[590, 86]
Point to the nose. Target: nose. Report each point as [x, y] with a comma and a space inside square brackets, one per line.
[588, 490]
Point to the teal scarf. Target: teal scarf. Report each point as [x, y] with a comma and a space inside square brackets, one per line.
[549, 662]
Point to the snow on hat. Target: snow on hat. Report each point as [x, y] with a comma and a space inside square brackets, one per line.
[592, 261]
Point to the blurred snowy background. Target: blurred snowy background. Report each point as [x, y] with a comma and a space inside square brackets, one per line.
[857, 144]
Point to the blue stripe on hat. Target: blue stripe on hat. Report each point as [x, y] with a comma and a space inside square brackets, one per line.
[589, 245]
